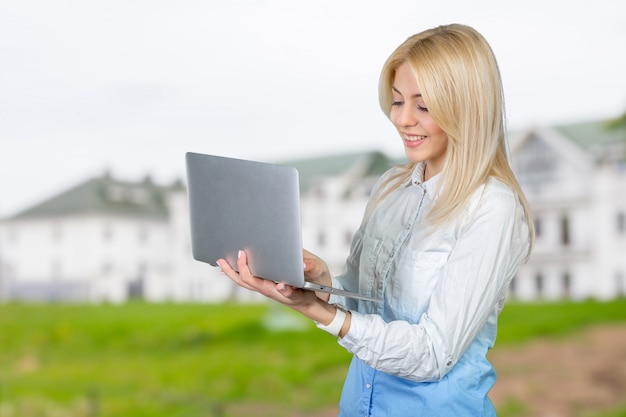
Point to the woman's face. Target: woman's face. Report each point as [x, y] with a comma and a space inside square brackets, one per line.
[423, 138]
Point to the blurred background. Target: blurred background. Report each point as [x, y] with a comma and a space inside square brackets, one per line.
[98, 105]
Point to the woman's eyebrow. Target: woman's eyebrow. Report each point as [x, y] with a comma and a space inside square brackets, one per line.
[418, 95]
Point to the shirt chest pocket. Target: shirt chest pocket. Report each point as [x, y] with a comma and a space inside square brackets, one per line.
[416, 276]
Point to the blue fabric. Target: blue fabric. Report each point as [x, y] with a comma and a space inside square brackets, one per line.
[462, 392]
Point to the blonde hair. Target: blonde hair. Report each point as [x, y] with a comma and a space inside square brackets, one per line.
[460, 82]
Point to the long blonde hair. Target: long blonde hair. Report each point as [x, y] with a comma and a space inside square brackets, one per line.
[460, 82]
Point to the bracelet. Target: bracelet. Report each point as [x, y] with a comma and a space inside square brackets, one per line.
[335, 326]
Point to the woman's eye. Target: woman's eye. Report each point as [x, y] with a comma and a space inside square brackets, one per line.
[396, 103]
[422, 108]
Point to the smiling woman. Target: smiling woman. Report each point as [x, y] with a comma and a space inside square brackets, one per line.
[421, 349]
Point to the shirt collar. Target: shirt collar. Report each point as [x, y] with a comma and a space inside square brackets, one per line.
[417, 178]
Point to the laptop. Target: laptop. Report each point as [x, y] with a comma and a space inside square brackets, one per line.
[236, 204]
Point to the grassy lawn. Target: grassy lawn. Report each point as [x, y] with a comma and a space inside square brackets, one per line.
[149, 360]
[520, 323]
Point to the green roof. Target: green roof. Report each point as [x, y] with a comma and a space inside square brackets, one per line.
[588, 134]
[144, 199]
[104, 195]
[311, 169]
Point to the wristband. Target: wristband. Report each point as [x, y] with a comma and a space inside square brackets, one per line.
[335, 326]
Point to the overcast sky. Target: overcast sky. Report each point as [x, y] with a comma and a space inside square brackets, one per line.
[131, 85]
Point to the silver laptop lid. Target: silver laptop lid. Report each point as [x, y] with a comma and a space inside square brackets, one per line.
[237, 204]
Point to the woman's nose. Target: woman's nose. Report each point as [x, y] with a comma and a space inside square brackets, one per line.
[406, 116]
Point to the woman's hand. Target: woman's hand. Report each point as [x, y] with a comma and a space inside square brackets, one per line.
[313, 305]
[281, 292]
[316, 270]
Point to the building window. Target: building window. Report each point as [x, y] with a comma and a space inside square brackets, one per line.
[536, 164]
[565, 234]
[621, 222]
[620, 283]
[539, 284]
[139, 196]
[566, 285]
[116, 193]
[136, 285]
[120, 194]
[513, 285]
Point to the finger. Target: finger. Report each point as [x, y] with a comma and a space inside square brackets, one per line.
[224, 266]
[285, 290]
[242, 265]
[233, 275]
[245, 274]
[310, 261]
[292, 296]
[312, 268]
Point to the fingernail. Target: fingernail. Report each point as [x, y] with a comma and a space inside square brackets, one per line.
[238, 254]
[282, 287]
[304, 265]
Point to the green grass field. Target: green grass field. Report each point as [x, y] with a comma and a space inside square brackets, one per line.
[149, 360]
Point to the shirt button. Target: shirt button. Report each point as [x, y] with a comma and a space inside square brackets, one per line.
[368, 386]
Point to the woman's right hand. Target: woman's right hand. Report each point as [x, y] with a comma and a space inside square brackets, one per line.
[316, 270]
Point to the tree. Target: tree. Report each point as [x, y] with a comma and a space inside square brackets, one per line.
[617, 123]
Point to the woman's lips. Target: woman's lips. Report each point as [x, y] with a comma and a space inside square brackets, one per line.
[413, 140]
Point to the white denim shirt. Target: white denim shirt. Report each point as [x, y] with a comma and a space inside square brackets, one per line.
[441, 294]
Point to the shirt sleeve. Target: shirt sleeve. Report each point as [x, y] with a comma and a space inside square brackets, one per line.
[491, 246]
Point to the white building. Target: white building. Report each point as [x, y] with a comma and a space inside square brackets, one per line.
[574, 177]
[104, 240]
[109, 240]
